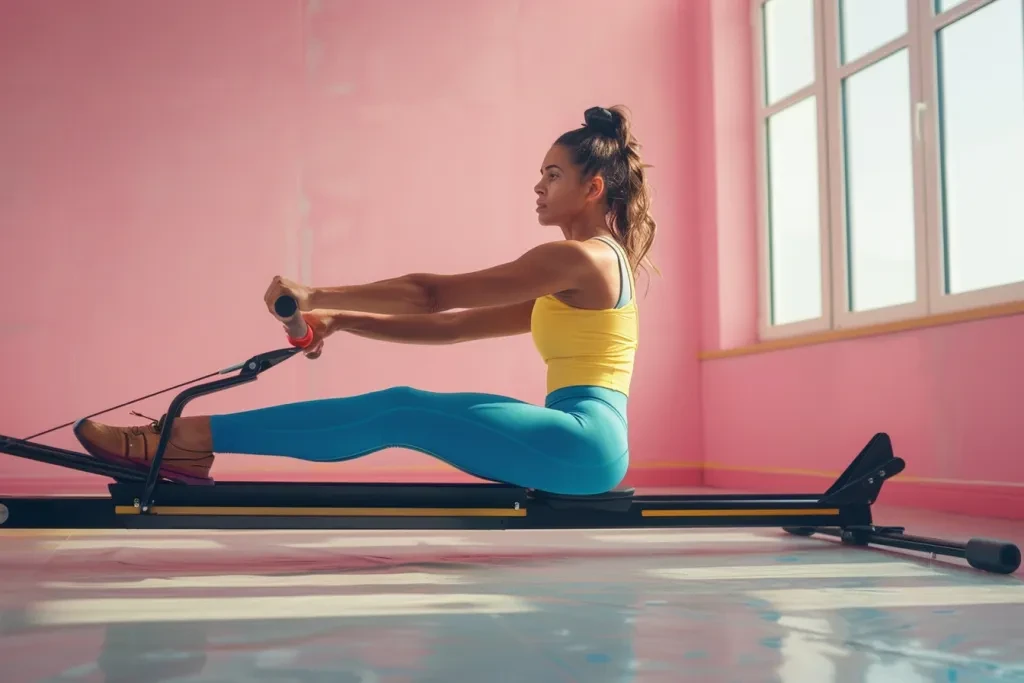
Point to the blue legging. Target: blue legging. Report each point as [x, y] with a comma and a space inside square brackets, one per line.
[575, 444]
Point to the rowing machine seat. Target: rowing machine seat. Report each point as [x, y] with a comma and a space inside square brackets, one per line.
[616, 500]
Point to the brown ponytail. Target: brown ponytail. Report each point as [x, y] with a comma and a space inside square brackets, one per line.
[606, 145]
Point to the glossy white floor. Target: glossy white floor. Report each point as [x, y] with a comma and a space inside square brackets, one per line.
[594, 607]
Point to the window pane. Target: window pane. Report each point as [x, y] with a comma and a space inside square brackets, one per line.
[868, 24]
[794, 228]
[943, 5]
[880, 185]
[788, 46]
[981, 83]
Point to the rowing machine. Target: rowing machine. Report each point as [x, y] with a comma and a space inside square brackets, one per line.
[146, 500]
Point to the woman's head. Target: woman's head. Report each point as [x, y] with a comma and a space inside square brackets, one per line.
[595, 173]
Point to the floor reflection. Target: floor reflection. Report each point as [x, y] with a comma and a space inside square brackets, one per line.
[561, 607]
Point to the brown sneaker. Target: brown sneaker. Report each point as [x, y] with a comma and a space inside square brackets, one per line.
[136, 446]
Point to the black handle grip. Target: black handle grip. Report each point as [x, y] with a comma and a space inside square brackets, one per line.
[287, 308]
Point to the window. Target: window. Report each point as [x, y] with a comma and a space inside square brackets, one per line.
[891, 136]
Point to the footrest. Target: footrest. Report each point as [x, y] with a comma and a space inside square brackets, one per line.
[616, 500]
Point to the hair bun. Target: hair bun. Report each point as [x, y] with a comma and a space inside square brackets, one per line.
[602, 120]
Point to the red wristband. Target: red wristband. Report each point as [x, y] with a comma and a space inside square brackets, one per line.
[306, 339]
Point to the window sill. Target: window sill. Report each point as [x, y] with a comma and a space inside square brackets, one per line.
[983, 313]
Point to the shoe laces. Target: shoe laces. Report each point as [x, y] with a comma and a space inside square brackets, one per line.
[154, 425]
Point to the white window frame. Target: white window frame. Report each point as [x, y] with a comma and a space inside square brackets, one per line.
[920, 41]
[817, 90]
[939, 301]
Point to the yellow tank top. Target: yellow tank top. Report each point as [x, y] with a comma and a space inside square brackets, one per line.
[589, 347]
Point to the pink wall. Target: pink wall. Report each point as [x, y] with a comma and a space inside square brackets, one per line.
[950, 397]
[163, 160]
[729, 193]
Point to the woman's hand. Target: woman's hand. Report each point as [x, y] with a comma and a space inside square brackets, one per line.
[320, 323]
[280, 286]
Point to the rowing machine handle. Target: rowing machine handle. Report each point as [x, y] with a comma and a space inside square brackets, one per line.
[287, 309]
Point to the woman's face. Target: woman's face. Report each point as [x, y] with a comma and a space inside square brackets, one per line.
[562, 195]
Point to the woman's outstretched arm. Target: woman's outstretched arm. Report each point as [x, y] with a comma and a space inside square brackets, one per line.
[546, 269]
[448, 327]
[398, 295]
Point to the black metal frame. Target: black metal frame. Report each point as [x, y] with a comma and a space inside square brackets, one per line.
[147, 500]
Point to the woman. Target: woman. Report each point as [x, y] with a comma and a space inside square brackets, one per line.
[576, 296]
